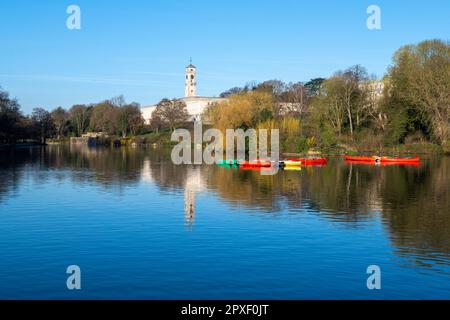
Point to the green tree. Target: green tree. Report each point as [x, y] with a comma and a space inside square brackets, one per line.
[329, 109]
[103, 118]
[129, 119]
[314, 87]
[420, 78]
[156, 122]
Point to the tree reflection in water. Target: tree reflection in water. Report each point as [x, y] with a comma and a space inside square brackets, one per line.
[412, 203]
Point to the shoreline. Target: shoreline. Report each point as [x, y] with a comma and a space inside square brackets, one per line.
[21, 145]
[134, 142]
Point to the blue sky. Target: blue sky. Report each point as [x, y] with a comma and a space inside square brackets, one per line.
[140, 48]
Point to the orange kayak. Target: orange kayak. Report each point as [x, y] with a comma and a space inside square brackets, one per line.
[310, 161]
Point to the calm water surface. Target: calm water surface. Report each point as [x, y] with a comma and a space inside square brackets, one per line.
[142, 228]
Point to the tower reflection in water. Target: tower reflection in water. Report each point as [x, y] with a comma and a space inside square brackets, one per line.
[189, 179]
[189, 206]
[194, 184]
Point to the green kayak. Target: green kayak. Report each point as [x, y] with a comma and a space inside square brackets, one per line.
[228, 162]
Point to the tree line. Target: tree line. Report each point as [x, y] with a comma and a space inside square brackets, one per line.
[112, 117]
[410, 104]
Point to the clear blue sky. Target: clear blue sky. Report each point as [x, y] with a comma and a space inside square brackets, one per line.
[140, 48]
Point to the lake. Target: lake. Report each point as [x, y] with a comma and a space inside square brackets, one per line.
[140, 227]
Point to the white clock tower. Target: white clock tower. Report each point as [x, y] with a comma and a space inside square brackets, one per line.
[195, 105]
[191, 81]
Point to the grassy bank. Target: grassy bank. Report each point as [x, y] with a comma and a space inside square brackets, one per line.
[405, 149]
[298, 145]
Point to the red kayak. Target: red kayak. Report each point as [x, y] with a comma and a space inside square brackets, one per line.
[384, 164]
[257, 169]
[382, 159]
[310, 161]
[256, 164]
[399, 160]
[360, 159]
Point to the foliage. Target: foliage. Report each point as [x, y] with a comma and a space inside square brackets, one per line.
[329, 109]
[243, 110]
[103, 118]
[111, 117]
[129, 119]
[351, 109]
[420, 79]
[314, 87]
[116, 117]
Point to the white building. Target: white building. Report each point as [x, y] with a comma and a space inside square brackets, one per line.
[375, 87]
[195, 105]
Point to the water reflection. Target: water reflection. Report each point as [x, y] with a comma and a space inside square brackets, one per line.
[412, 203]
[194, 184]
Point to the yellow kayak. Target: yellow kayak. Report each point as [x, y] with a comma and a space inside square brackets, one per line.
[292, 168]
[290, 163]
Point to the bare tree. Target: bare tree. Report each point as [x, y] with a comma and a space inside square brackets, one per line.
[10, 118]
[351, 93]
[171, 112]
[294, 99]
[44, 123]
[79, 116]
[118, 101]
[333, 103]
[60, 119]
[374, 94]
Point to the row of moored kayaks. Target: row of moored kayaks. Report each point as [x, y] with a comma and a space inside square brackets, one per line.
[266, 163]
[299, 162]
